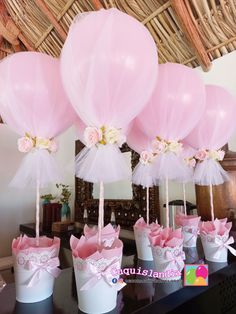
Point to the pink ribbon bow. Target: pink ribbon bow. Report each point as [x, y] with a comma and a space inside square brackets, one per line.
[175, 259]
[107, 274]
[51, 266]
[222, 245]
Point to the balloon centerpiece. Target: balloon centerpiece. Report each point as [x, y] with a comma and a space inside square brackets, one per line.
[209, 135]
[107, 58]
[34, 104]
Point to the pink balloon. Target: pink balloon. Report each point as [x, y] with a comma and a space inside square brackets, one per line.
[176, 105]
[33, 101]
[109, 67]
[137, 140]
[202, 271]
[32, 98]
[218, 121]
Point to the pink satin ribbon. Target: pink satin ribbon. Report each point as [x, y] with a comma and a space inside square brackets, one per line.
[177, 260]
[51, 266]
[107, 274]
[223, 245]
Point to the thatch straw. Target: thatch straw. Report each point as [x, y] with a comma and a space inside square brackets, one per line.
[43, 24]
[46, 31]
[216, 22]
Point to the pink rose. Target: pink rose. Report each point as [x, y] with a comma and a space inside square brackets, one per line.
[191, 162]
[25, 144]
[201, 155]
[92, 136]
[221, 155]
[158, 146]
[53, 146]
[146, 157]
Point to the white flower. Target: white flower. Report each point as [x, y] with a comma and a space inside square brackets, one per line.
[92, 136]
[53, 146]
[175, 147]
[112, 135]
[146, 157]
[221, 154]
[159, 146]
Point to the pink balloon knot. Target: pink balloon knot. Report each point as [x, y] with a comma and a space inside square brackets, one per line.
[29, 143]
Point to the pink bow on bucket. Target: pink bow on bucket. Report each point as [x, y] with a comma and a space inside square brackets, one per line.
[51, 266]
[177, 260]
[98, 274]
[223, 245]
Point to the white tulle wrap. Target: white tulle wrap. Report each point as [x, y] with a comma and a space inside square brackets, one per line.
[172, 166]
[38, 165]
[209, 171]
[102, 163]
[143, 175]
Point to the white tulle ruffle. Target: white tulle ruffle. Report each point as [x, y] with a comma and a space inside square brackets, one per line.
[209, 172]
[143, 175]
[173, 167]
[37, 165]
[102, 163]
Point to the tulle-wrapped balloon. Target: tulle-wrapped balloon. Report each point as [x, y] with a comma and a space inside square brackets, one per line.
[139, 142]
[175, 107]
[211, 133]
[109, 69]
[34, 104]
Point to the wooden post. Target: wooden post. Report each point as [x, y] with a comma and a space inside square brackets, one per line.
[191, 33]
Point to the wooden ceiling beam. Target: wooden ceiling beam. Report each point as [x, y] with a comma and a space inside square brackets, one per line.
[97, 4]
[191, 33]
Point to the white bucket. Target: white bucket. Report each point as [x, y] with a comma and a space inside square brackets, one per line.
[213, 251]
[101, 297]
[190, 236]
[33, 278]
[143, 244]
[168, 262]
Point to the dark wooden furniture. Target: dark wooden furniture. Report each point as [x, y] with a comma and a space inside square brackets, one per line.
[126, 211]
[224, 194]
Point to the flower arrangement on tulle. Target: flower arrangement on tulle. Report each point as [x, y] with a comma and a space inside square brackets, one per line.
[190, 161]
[103, 136]
[161, 146]
[28, 143]
[147, 157]
[204, 154]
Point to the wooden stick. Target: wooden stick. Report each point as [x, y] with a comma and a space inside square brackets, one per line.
[37, 212]
[97, 4]
[43, 7]
[167, 204]
[212, 203]
[191, 33]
